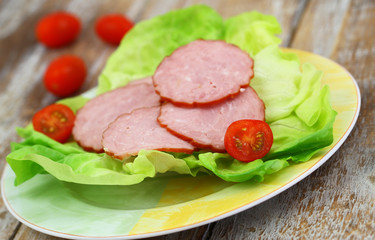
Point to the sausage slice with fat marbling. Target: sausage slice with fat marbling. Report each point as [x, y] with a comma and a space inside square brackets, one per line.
[132, 132]
[99, 112]
[205, 127]
[203, 72]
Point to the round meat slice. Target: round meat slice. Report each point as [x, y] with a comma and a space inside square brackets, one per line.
[203, 72]
[205, 127]
[132, 132]
[99, 112]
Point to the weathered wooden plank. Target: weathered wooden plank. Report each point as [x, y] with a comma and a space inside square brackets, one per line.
[23, 61]
[18, 72]
[28, 233]
[336, 201]
[319, 28]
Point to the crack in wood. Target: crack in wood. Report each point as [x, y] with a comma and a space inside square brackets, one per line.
[296, 20]
[15, 231]
[208, 232]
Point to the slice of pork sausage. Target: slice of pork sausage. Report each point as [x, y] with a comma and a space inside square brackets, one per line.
[205, 127]
[99, 112]
[202, 73]
[132, 132]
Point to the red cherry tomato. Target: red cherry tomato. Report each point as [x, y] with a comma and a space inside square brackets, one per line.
[56, 121]
[247, 140]
[65, 75]
[58, 29]
[111, 28]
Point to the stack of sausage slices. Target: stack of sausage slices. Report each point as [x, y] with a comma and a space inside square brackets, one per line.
[187, 105]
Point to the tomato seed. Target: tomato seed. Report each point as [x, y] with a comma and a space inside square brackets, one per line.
[238, 143]
[259, 142]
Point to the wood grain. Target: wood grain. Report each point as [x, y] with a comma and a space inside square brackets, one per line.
[22, 68]
[320, 25]
[335, 202]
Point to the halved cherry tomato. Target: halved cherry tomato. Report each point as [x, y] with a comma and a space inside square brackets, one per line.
[65, 75]
[58, 29]
[247, 140]
[112, 28]
[56, 121]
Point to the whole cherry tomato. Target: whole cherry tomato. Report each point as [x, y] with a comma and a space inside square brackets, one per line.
[247, 140]
[58, 29]
[55, 121]
[65, 75]
[112, 28]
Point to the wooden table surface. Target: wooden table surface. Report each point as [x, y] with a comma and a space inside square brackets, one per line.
[335, 202]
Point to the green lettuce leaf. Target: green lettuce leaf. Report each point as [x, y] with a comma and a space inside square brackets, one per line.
[229, 169]
[298, 108]
[146, 44]
[74, 103]
[252, 31]
[40, 154]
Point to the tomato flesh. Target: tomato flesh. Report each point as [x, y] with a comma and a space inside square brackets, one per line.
[58, 29]
[247, 140]
[65, 75]
[56, 121]
[112, 28]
